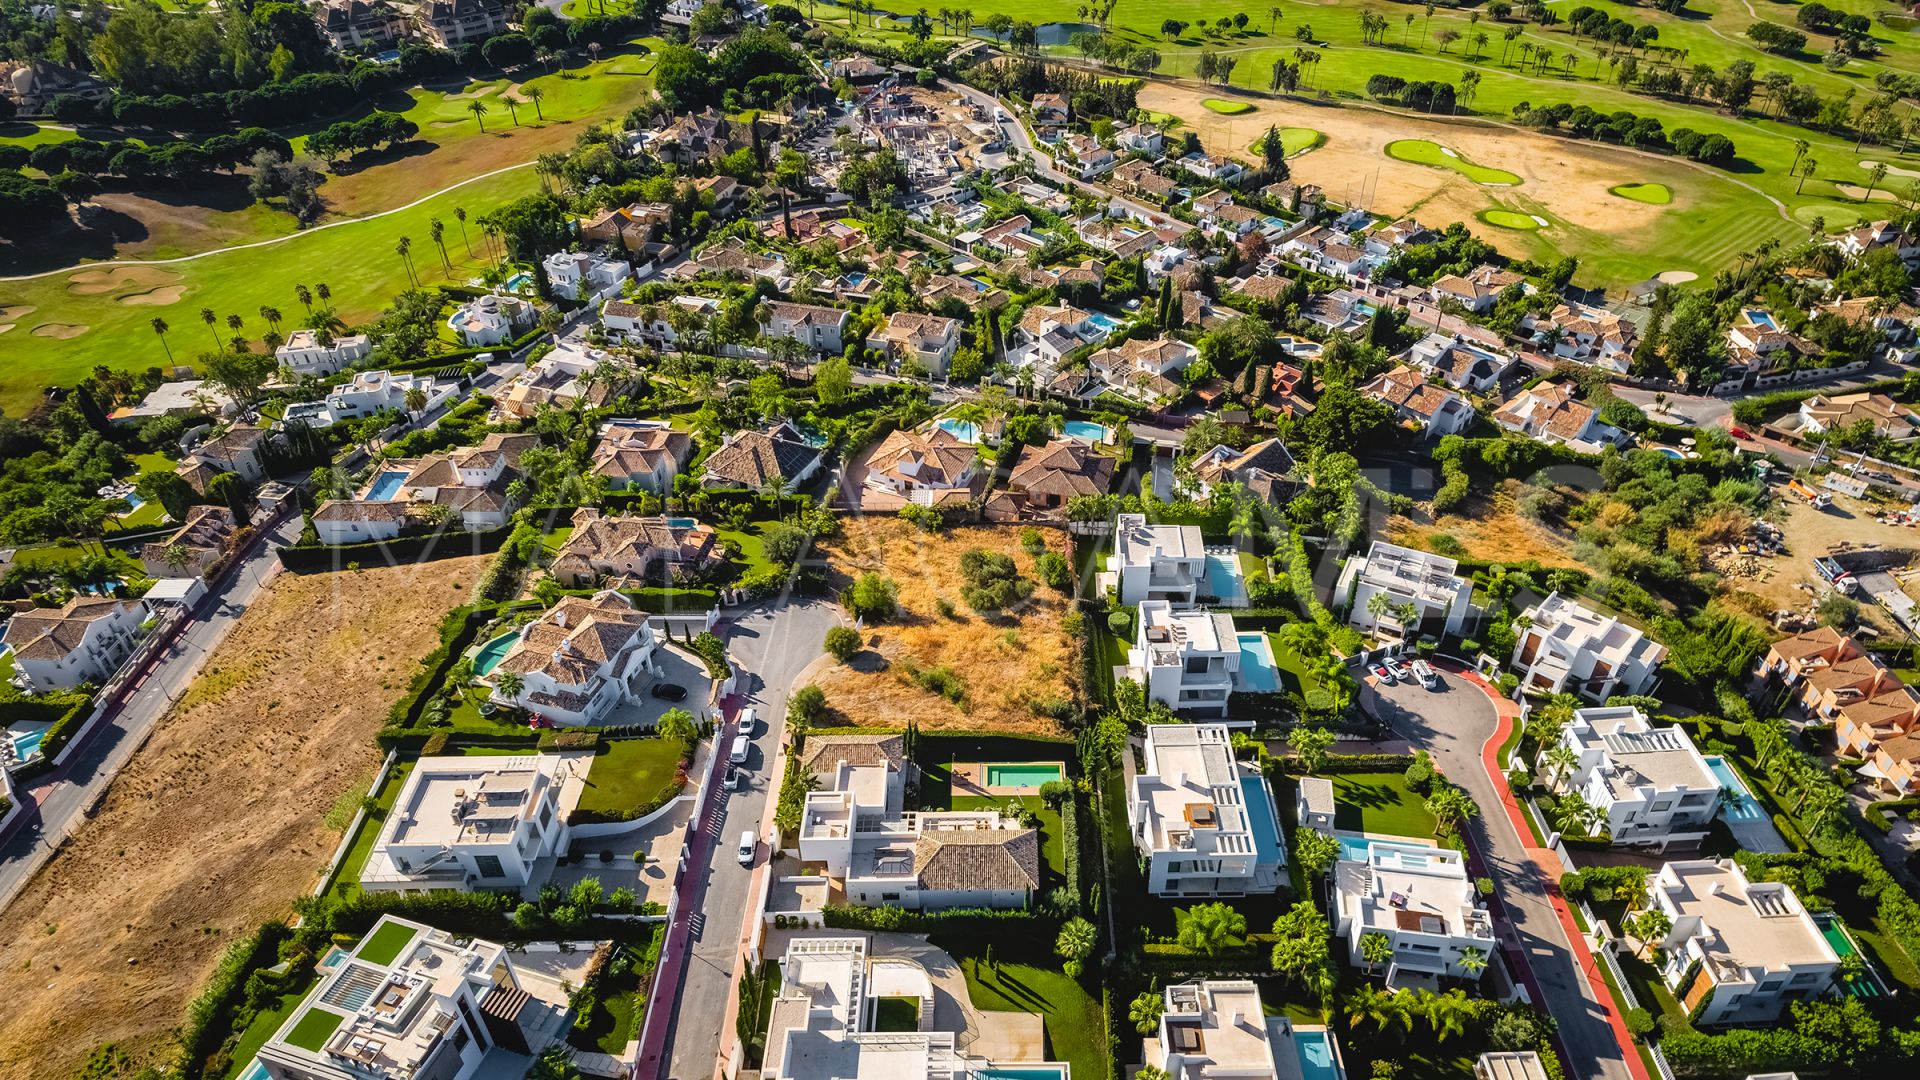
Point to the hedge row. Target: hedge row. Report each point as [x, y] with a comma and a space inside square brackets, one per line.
[439, 544]
[954, 920]
[1755, 410]
[209, 1016]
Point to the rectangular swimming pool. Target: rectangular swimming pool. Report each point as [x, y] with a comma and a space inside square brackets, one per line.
[1260, 818]
[1223, 578]
[1744, 807]
[1314, 1047]
[1258, 673]
[386, 486]
[1021, 1072]
[1032, 775]
[1086, 431]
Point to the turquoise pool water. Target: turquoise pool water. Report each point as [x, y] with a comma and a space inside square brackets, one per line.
[1086, 431]
[1760, 318]
[385, 486]
[1258, 673]
[254, 1071]
[1223, 578]
[1669, 452]
[1022, 775]
[965, 430]
[1353, 848]
[333, 957]
[25, 743]
[1315, 1050]
[519, 281]
[1868, 985]
[1261, 819]
[488, 656]
[1744, 807]
[1021, 1072]
[682, 522]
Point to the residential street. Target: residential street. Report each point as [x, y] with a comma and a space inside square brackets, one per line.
[771, 644]
[1453, 724]
[65, 794]
[1043, 165]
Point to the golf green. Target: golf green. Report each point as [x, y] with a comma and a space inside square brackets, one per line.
[1226, 108]
[1653, 194]
[1295, 140]
[1510, 219]
[1432, 154]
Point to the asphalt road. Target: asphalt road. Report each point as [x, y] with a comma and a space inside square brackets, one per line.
[1043, 164]
[1452, 724]
[772, 645]
[65, 794]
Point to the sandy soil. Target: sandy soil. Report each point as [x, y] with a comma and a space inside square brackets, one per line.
[1859, 191]
[113, 279]
[160, 297]
[1003, 676]
[60, 331]
[218, 823]
[1811, 533]
[1354, 169]
[18, 311]
[1489, 529]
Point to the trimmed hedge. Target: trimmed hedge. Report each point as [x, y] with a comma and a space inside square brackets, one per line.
[954, 920]
[1255, 957]
[210, 1016]
[440, 544]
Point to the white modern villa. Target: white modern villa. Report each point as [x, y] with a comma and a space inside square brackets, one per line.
[1422, 900]
[1651, 782]
[1204, 822]
[1564, 645]
[475, 823]
[1217, 1029]
[1156, 562]
[857, 829]
[1440, 597]
[1739, 950]
[409, 1001]
[1187, 659]
[581, 660]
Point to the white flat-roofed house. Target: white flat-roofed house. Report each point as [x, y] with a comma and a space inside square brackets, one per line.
[1650, 782]
[1204, 822]
[1217, 1029]
[1434, 411]
[928, 340]
[643, 549]
[857, 827]
[1315, 805]
[1404, 576]
[641, 455]
[1189, 660]
[372, 392]
[580, 661]
[1156, 562]
[307, 353]
[493, 319]
[1739, 950]
[1422, 899]
[83, 641]
[822, 329]
[409, 1002]
[472, 823]
[582, 275]
[1564, 645]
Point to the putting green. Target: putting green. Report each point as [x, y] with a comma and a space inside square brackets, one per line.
[1652, 194]
[1226, 108]
[1296, 140]
[1511, 219]
[1432, 154]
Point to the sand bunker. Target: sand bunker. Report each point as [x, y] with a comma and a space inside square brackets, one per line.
[16, 312]
[1675, 277]
[1892, 170]
[1859, 191]
[60, 331]
[4, 327]
[118, 278]
[480, 93]
[160, 297]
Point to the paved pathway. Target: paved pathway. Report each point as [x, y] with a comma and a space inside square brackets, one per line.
[1463, 725]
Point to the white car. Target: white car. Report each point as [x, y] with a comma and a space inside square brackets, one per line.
[1399, 670]
[748, 844]
[1424, 672]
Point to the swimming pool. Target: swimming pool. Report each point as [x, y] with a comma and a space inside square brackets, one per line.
[1355, 848]
[682, 522]
[1266, 834]
[1021, 1072]
[1027, 775]
[965, 430]
[1744, 807]
[1107, 323]
[1223, 578]
[1669, 452]
[1761, 319]
[1867, 986]
[1258, 673]
[27, 743]
[519, 281]
[1086, 431]
[386, 486]
[254, 1071]
[134, 502]
[488, 656]
[1318, 1060]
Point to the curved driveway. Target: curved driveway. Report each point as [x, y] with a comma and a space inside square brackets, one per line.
[1454, 724]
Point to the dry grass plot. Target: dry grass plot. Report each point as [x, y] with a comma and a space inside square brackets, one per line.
[1000, 668]
[217, 824]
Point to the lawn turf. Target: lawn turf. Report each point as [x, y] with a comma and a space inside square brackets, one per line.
[1380, 803]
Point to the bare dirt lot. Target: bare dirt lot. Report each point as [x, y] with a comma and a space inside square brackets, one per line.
[1789, 581]
[1487, 528]
[1004, 664]
[217, 824]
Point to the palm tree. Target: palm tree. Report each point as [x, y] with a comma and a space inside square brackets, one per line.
[1560, 761]
[272, 315]
[160, 327]
[305, 296]
[437, 229]
[1451, 807]
[1821, 807]
[508, 685]
[1448, 1012]
[512, 108]
[1874, 176]
[404, 249]
[1376, 948]
[1650, 927]
[1274, 15]
[207, 316]
[460, 215]
[325, 294]
[479, 111]
[234, 323]
[1572, 813]
[534, 94]
[1471, 962]
[416, 400]
[1383, 1007]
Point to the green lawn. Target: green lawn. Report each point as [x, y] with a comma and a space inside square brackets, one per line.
[346, 882]
[1509, 219]
[897, 1014]
[314, 1029]
[1653, 194]
[628, 773]
[1295, 678]
[152, 462]
[28, 134]
[265, 1022]
[145, 516]
[1432, 154]
[1380, 803]
[1074, 1026]
[385, 944]
[553, 541]
[752, 543]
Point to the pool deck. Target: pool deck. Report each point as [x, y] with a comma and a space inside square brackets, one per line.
[970, 778]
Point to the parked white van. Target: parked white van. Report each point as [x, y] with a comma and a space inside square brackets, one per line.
[741, 745]
[748, 842]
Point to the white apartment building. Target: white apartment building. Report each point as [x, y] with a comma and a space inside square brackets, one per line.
[652, 324]
[1564, 645]
[824, 1025]
[1421, 898]
[84, 641]
[1217, 1029]
[413, 1002]
[1651, 782]
[1155, 562]
[1188, 659]
[1204, 822]
[304, 354]
[581, 660]
[582, 275]
[1440, 596]
[1739, 950]
[474, 823]
[857, 826]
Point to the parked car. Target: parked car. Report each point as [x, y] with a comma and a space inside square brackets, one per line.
[1738, 433]
[741, 745]
[748, 842]
[731, 781]
[1424, 672]
[667, 691]
[1381, 671]
[1398, 670]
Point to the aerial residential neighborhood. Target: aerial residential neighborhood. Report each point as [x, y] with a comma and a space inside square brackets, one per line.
[712, 539]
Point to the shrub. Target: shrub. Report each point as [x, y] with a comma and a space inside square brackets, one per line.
[807, 707]
[843, 642]
[872, 597]
[1121, 623]
[1055, 571]
[1639, 1023]
[709, 648]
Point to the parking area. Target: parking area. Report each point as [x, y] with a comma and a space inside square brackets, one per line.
[677, 668]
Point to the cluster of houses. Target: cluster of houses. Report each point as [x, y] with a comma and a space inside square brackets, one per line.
[361, 26]
[1875, 714]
